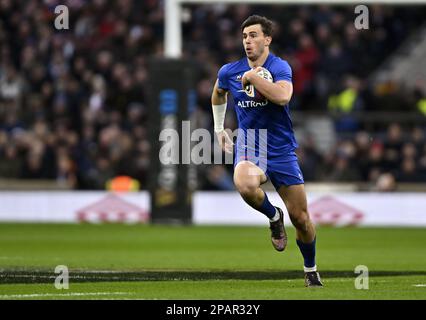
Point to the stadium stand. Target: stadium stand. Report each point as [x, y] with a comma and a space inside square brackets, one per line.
[73, 102]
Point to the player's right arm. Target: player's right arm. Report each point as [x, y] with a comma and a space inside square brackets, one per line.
[219, 101]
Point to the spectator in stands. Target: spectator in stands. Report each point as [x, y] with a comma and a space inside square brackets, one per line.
[344, 168]
[10, 162]
[310, 158]
[11, 86]
[385, 183]
[344, 104]
[375, 164]
[343, 171]
[333, 65]
[393, 147]
[408, 171]
[362, 142]
[304, 64]
[418, 138]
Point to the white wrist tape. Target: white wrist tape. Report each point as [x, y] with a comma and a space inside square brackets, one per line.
[219, 111]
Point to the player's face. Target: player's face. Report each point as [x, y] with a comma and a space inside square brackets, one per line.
[255, 41]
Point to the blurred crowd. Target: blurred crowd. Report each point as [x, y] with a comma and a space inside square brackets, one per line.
[397, 155]
[73, 103]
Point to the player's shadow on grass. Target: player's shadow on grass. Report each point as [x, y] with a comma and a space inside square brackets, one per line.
[28, 276]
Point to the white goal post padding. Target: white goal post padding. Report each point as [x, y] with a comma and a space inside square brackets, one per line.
[173, 15]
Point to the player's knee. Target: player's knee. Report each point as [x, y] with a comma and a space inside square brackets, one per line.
[246, 190]
[301, 220]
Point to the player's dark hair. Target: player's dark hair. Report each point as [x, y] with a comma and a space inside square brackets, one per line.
[267, 25]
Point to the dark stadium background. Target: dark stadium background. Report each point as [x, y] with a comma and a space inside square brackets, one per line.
[73, 103]
[77, 119]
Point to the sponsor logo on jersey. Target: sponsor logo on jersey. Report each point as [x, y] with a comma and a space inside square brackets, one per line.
[252, 104]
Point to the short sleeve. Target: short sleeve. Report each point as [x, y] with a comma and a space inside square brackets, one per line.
[223, 78]
[282, 71]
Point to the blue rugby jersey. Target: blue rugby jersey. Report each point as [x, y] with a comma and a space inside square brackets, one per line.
[257, 112]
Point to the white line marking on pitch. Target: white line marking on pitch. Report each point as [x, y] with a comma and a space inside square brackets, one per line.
[73, 294]
[419, 285]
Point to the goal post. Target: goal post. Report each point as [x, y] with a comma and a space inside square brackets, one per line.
[171, 100]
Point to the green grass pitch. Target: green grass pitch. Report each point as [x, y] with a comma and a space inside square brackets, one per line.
[113, 261]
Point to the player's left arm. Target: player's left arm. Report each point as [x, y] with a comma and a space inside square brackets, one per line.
[279, 92]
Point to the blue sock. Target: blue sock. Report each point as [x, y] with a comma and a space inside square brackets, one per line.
[308, 252]
[267, 208]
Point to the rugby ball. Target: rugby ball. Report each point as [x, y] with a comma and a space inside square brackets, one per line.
[251, 91]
